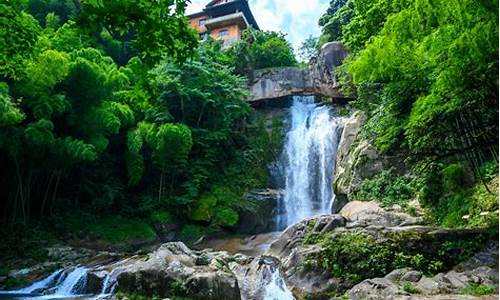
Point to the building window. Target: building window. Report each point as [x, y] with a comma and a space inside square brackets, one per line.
[223, 33]
[202, 22]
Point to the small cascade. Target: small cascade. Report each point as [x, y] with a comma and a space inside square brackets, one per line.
[40, 285]
[74, 283]
[277, 289]
[307, 163]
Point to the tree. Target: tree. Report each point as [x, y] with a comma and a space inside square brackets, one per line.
[154, 28]
[309, 48]
[259, 50]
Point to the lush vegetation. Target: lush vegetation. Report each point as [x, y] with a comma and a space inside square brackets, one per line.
[260, 50]
[113, 118]
[355, 256]
[426, 74]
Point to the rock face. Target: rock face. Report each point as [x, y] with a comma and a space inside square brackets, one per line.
[317, 79]
[358, 159]
[307, 277]
[260, 218]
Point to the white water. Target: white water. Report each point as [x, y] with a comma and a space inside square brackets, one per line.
[308, 161]
[39, 285]
[73, 283]
[277, 289]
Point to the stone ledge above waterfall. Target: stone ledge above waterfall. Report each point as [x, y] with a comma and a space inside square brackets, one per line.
[316, 79]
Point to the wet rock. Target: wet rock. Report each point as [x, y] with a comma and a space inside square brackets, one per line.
[95, 282]
[260, 218]
[213, 285]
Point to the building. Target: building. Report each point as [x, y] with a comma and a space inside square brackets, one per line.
[223, 20]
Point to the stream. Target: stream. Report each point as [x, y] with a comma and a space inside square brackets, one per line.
[304, 171]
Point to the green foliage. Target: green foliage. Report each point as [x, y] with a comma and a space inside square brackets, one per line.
[162, 217]
[410, 288]
[191, 233]
[119, 229]
[18, 36]
[10, 114]
[309, 49]
[475, 289]
[111, 108]
[162, 30]
[355, 256]
[454, 177]
[387, 188]
[259, 50]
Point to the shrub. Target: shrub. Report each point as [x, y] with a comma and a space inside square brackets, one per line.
[387, 188]
[410, 288]
[355, 256]
[475, 289]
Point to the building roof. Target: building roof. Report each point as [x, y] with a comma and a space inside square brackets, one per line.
[230, 7]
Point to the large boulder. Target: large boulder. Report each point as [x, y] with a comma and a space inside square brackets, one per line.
[260, 218]
[175, 270]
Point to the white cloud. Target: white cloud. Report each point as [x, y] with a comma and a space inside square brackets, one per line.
[297, 18]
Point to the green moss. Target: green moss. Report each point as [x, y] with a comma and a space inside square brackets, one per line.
[478, 290]
[11, 283]
[162, 216]
[410, 288]
[191, 233]
[118, 229]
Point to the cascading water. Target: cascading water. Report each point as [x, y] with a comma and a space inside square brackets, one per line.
[59, 284]
[307, 163]
[73, 282]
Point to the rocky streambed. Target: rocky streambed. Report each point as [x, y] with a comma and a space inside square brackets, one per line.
[309, 260]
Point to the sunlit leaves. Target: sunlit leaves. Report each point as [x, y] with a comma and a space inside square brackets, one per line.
[10, 114]
[18, 34]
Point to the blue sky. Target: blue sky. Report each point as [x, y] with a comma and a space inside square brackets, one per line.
[297, 18]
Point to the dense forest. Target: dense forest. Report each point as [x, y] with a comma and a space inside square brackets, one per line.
[126, 142]
[113, 117]
[426, 74]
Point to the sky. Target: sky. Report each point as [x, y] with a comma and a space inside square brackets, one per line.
[297, 18]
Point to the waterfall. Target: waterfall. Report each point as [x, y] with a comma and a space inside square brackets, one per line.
[39, 285]
[307, 163]
[73, 283]
[59, 284]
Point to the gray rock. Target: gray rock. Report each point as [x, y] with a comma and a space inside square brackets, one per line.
[411, 276]
[377, 288]
[174, 269]
[428, 285]
[259, 219]
[395, 275]
[213, 285]
[317, 79]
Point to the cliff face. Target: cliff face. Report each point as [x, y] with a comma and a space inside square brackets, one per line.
[316, 79]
